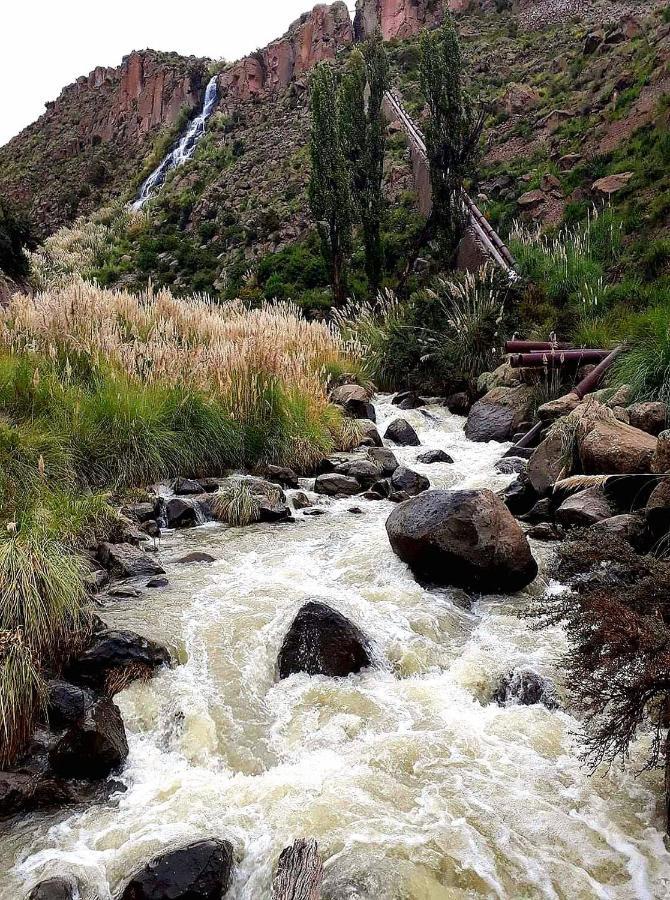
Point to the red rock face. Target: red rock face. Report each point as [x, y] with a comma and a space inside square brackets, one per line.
[403, 18]
[313, 38]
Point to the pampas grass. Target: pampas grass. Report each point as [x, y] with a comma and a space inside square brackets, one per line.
[236, 505]
[22, 695]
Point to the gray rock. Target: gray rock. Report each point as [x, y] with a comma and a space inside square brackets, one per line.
[196, 557]
[127, 561]
[159, 582]
[511, 465]
[66, 703]
[187, 487]
[185, 512]
[197, 871]
[355, 401]
[434, 456]
[370, 437]
[401, 432]
[525, 687]
[93, 746]
[62, 888]
[110, 651]
[385, 459]
[300, 500]
[282, 475]
[410, 482]
[334, 485]
[363, 470]
[321, 641]
[584, 509]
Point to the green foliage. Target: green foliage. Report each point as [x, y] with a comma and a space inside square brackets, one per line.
[645, 366]
[290, 273]
[15, 237]
[22, 695]
[236, 505]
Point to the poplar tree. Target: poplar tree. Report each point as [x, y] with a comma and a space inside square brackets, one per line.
[330, 182]
[452, 134]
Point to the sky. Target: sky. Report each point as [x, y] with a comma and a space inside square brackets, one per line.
[47, 44]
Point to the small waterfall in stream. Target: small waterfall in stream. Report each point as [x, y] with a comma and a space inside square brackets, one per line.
[184, 149]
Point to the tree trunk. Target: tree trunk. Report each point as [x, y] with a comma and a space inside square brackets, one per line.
[667, 783]
[299, 873]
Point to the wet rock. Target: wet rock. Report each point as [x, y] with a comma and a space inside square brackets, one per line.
[459, 404]
[546, 463]
[497, 416]
[611, 447]
[385, 459]
[184, 512]
[464, 538]
[187, 487]
[434, 456]
[96, 580]
[23, 792]
[410, 482]
[196, 557]
[398, 496]
[373, 496]
[370, 437]
[274, 511]
[520, 496]
[382, 487]
[93, 746]
[511, 465]
[66, 703]
[317, 511]
[401, 432]
[649, 417]
[657, 511]
[197, 871]
[64, 888]
[355, 511]
[627, 527]
[300, 500]
[334, 485]
[355, 401]
[321, 641]
[661, 459]
[584, 508]
[540, 512]
[139, 512]
[111, 652]
[363, 470]
[408, 400]
[124, 593]
[159, 582]
[283, 476]
[525, 687]
[127, 561]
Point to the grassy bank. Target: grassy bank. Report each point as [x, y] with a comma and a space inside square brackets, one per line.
[104, 391]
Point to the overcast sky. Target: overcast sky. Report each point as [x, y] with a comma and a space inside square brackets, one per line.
[46, 44]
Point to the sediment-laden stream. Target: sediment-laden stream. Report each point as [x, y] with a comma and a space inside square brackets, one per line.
[415, 785]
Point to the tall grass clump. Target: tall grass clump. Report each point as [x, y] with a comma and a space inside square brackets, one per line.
[645, 366]
[22, 694]
[236, 505]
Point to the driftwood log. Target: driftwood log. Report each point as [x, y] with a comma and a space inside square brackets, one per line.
[299, 873]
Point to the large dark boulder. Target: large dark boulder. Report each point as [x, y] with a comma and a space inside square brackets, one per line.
[187, 487]
[385, 459]
[93, 746]
[463, 538]
[185, 512]
[370, 437]
[335, 485]
[127, 561]
[584, 508]
[321, 641]
[402, 433]
[408, 400]
[283, 476]
[198, 871]
[66, 888]
[66, 703]
[110, 652]
[364, 471]
[430, 457]
[409, 481]
[355, 401]
[498, 415]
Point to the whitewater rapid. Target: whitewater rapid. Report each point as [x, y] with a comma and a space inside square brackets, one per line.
[414, 784]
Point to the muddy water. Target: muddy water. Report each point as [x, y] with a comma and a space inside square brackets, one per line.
[414, 784]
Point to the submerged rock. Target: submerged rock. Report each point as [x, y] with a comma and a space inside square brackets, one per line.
[525, 687]
[321, 641]
[408, 400]
[63, 888]
[127, 561]
[93, 746]
[300, 500]
[196, 557]
[23, 792]
[402, 433]
[465, 538]
[197, 871]
[111, 652]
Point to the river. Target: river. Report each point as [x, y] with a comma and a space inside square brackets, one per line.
[415, 785]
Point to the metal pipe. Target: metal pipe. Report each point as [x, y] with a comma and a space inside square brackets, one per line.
[594, 378]
[529, 437]
[556, 359]
[519, 346]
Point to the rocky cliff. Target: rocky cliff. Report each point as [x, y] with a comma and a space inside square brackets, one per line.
[93, 138]
[404, 18]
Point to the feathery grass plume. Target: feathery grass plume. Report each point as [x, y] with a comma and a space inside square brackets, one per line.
[236, 505]
[368, 329]
[22, 695]
[41, 588]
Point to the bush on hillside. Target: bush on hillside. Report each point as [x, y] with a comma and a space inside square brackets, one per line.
[15, 238]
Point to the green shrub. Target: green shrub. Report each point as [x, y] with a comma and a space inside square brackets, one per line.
[15, 237]
[22, 695]
[646, 364]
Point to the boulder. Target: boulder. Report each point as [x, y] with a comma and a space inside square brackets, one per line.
[408, 400]
[458, 404]
[370, 437]
[355, 401]
[127, 561]
[410, 482]
[334, 485]
[402, 433]
[434, 456]
[198, 871]
[556, 409]
[497, 416]
[187, 487]
[584, 508]
[363, 470]
[23, 792]
[546, 463]
[628, 528]
[321, 641]
[650, 417]
[196, 557]
[612, 447]
[66, 703]
[283, 476]
[159, 582]
[540, 512]
[657, 511]
[385, 459]
[139, 512]
[544, 531]
[300, 500]
[520, 496]
[525, 687]
[93, 746]
[611, 184]
[661, 459]
[111, 652]
[64, 888]
[382, 488]
[463, 538]
[397, 496]
[184, 512]
[511, 465]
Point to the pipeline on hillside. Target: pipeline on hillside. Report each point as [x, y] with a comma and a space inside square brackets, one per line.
[556, 359]
[484, 232]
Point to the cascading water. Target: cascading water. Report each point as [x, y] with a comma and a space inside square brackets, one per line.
[415, 785]
[184, 149]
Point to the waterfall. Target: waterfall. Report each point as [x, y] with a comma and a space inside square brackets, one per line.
[184, 149]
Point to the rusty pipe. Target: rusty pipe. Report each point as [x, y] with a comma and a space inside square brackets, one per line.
[594, 378]
[556, 359]
[519, 346]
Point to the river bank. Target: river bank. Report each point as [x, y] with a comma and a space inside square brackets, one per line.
[414, 783]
